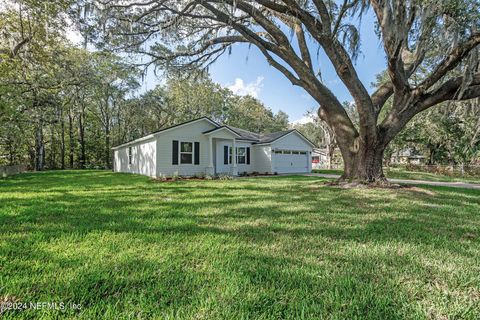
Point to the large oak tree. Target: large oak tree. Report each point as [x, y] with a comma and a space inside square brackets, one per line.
[439, 37]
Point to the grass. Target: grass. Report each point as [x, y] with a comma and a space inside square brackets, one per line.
[123, 246]
[398, 173]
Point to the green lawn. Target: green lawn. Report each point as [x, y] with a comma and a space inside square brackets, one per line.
[123, 246]
[398, 173]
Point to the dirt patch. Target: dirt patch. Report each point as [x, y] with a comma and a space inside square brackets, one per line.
[362, 185]
[170, 179]
[469, 236]
[420, 190]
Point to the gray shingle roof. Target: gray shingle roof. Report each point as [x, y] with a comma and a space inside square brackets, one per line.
[269, 137]
[244, 134]
[259, 137]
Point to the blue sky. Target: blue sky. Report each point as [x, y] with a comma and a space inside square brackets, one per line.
[245, 71]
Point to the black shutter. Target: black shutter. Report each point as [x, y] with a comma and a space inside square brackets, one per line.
[196, 152]
[248, 155]
[175, 152]
[225, 154]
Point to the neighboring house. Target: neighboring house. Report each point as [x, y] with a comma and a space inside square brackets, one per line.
[319, 158]
[407, 156]
[203, 146]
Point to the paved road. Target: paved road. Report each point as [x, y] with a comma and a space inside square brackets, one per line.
[402, 181]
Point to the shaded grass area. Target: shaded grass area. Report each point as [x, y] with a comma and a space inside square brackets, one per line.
[123, 246]
[399, 173]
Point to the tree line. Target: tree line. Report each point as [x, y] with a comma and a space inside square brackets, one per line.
[62, 106]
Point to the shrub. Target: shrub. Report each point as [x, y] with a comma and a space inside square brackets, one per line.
[224, 177]
[175, 176]
[200, 175]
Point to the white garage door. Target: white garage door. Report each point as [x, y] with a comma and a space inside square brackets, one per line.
[287, 161]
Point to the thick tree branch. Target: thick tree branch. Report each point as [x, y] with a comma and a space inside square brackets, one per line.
[449, 62]
[302, 44]
[344, 68]
[324, 15]
[394, 28]
[450, 90]
[381, 95]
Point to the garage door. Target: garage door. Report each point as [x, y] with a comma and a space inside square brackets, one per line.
[288, 161]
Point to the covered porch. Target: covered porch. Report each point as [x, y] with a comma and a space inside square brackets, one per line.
[219, 140]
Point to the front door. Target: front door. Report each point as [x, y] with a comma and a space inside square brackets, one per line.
[221, 167]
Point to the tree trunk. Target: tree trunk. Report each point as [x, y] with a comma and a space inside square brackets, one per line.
[330, 154]
[52, 148]
[39, 148]
[81, 139]
[11, 151]
[365, 165]
[71, 141]
[107, 146]
[62, 147]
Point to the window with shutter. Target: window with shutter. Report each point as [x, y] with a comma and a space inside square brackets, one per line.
[174, 152]
[186, 153]
[196, 153]
[225, 154]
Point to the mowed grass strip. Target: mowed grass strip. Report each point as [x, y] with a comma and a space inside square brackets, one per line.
[124, 246]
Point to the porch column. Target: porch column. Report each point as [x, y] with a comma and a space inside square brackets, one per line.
[234, 158]
[210, 170]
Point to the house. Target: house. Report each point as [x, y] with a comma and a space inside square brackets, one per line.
[407, 156]
[319, 158]
[203, 146]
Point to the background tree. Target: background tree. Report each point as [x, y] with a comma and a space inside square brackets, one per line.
[319, 132]
[250, 114]
[449, 134]
[437, 37]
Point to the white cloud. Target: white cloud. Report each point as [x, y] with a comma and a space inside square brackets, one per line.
[252, 88]
[333, 82]
[72, 33]
[303, 120]
[74, 36]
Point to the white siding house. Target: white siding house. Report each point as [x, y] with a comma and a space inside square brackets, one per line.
[202, 146]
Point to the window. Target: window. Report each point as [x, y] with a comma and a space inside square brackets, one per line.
[278, 151]
[303, 152]
[295, 152]
[287, 152]
[130, 156]
[186, 152]
[241, 155]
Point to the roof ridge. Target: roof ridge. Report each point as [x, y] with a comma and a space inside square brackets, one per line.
[215, 123]
[254, 134]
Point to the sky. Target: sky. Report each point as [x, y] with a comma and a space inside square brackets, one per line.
[245, 71]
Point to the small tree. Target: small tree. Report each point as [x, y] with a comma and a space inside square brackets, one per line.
[436, 37]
